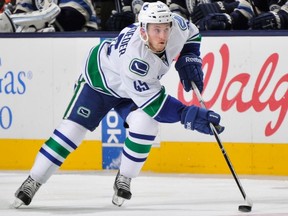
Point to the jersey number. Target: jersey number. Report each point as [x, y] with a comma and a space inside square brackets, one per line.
[140, 86]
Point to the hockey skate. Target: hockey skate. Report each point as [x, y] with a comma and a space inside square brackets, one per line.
[26, 192]
[121, 190]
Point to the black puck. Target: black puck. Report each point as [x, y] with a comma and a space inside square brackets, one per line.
[245, 208]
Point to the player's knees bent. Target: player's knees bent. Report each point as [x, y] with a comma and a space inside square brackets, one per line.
[140, 122]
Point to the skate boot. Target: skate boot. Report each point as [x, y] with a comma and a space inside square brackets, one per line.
[26, 192]
[121, 190]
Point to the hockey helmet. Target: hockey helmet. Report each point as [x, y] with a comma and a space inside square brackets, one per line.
[154, 12]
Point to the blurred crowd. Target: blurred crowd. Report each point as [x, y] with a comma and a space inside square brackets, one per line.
[113, 15]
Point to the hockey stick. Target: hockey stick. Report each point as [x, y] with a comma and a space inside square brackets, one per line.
[248, 206]
[118, 6]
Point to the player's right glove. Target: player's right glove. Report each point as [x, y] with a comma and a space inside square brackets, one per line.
[197, 118]
[189, 68]
[271, 19]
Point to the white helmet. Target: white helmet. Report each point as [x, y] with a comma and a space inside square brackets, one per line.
[155, 12]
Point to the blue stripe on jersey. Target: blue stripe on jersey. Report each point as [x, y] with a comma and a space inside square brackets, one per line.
[151, 99]
[142, 136]
[29, 6]
[82, 3]
[133, 158]
[191, 48]
[171, 111]
[93, 19]
[50, 157]
[65, 139]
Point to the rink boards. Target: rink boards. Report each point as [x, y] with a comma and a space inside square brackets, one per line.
[246, 81]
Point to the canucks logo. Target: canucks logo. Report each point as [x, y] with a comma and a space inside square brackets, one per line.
[139, 67]
[83, 111]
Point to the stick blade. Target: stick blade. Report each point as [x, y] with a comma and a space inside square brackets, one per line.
[245, 208]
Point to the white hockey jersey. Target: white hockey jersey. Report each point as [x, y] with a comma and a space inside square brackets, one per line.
[126, 68]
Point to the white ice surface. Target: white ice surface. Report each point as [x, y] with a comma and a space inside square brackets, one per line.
[90, 193]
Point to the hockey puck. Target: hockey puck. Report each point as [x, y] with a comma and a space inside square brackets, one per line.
[245, 208]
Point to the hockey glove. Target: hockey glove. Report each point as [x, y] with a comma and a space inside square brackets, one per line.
[202, 10]
[178, 9]
[216, 21]
[118, 21]
[189, 68]
[271, 20]
[197, 118]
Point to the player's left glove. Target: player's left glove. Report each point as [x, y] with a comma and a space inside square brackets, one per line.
[197, 118]
[189, 67]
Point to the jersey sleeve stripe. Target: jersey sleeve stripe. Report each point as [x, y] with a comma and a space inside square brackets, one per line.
[155, 106]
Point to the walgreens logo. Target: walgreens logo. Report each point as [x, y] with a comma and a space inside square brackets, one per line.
[11, 83]
[262, 96]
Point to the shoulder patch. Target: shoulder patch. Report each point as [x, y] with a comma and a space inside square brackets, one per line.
[180, 21]
[139, 67]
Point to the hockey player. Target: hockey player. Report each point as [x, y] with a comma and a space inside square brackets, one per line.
[125, 74]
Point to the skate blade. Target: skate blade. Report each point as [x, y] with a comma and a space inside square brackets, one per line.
[118, 201]
[17, 203]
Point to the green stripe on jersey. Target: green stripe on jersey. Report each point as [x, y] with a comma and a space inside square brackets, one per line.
[93, 70]
[153, 108]
[56, 147]
[77, 90]
[135, 147]
[195, 38]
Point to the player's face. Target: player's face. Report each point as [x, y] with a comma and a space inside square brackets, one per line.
[158, 35]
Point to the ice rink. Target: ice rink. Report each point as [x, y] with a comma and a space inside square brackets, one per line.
[90, 193]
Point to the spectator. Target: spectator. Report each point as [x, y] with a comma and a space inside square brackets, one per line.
[223, 15]
[78, 15]
[125, 14]
[275, 18]
[3, 4]
[35, 21]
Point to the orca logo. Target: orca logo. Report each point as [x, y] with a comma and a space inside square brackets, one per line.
[180, 21]
[82, 111]
[145, 7]
[139, 67]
